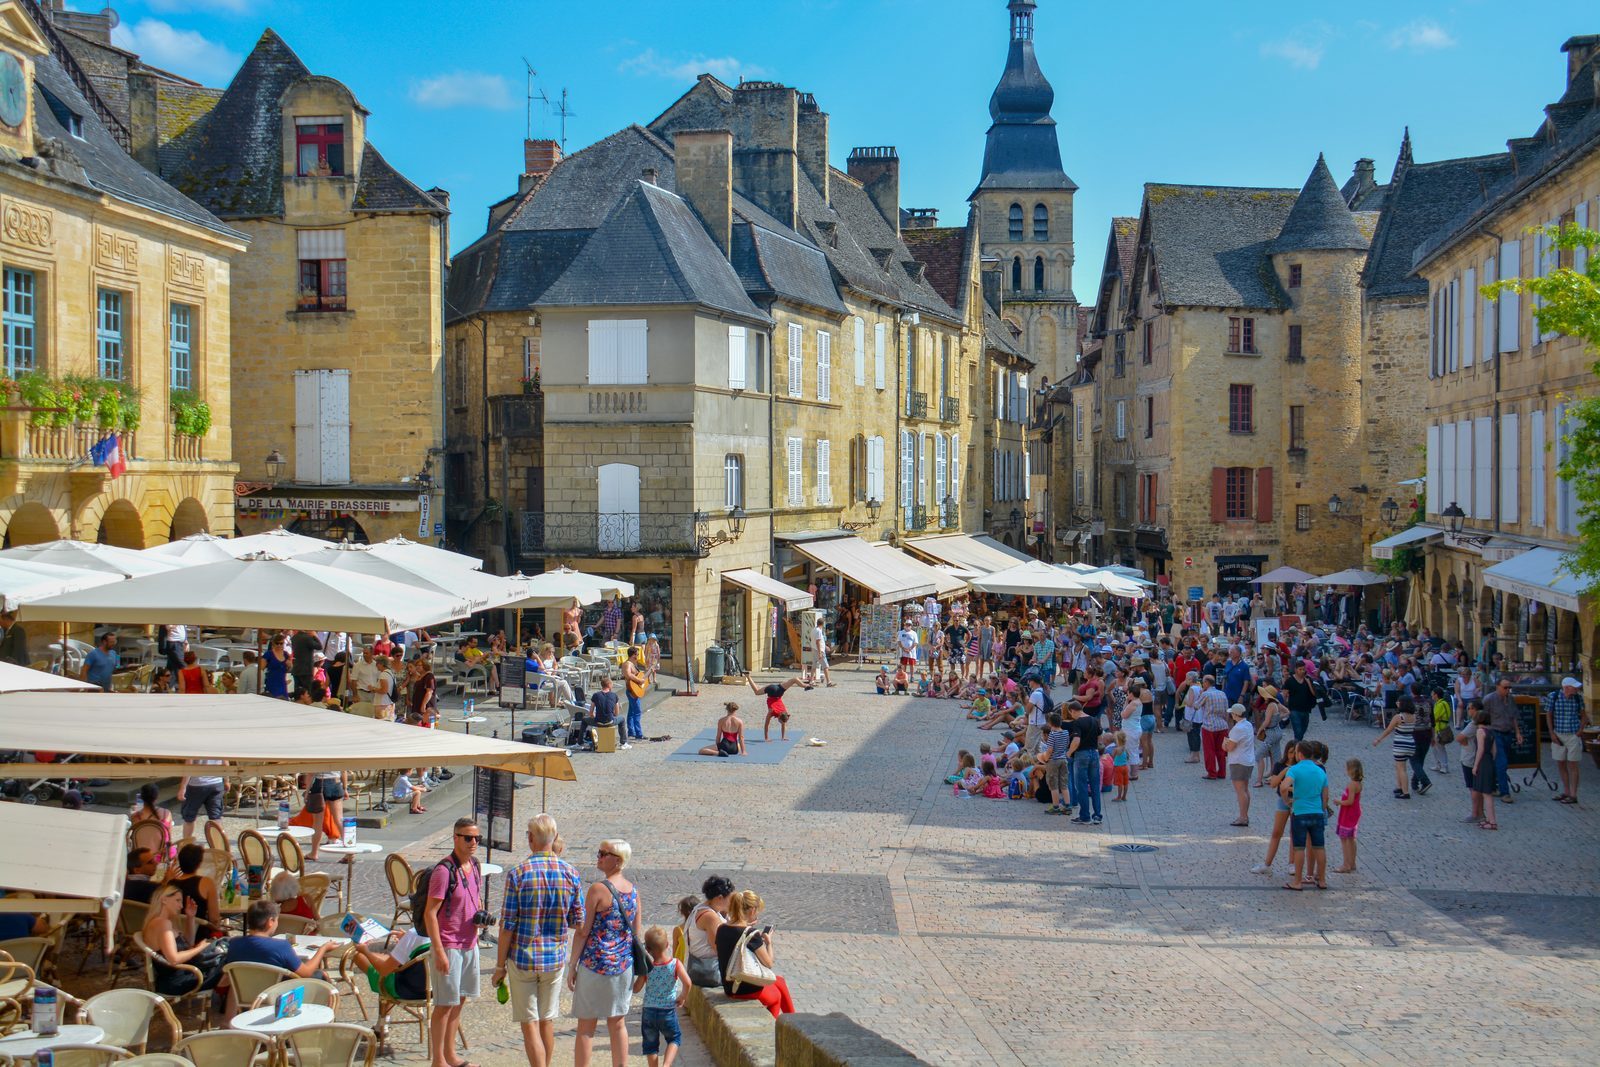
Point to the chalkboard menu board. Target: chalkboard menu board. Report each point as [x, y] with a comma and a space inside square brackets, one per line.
[879, 625]
[493, 797]
[512, 691]
[1530, 718]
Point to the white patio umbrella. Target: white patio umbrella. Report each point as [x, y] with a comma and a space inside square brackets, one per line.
[279, 542]
[194, 549]
[1283, 576]
[480, 591]
[108, 559]
[414, 553]
[564, 587]
[15, 679]
[1353, 576]
[257, 590]
[21, 581]
[1104, 580]
[1033, 578]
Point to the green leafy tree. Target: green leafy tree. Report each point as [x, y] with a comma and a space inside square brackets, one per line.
[1569, 303]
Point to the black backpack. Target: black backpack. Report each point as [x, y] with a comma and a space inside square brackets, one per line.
[419, 894]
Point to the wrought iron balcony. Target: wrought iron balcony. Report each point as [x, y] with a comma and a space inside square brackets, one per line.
[916, 405]
[916, 518]
[949, 515]
[949, 409]
[517, 414]
[619, 533]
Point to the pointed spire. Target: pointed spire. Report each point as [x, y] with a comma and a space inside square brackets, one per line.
[1022, 150]
[1320, 220]
[1403, 161]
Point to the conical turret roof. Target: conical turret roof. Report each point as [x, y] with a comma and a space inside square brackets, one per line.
[1320, 220]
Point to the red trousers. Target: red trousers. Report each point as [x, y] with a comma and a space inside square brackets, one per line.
[775, 998]
[1211, 750]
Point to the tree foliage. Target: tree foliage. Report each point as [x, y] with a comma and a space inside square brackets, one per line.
[1569, 303]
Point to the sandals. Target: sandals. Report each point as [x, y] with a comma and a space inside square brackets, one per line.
[1294, 888]
[1236, 822]
[1569, 800]
[1486, 825]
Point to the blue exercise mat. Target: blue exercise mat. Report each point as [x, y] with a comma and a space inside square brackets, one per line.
[756, 750]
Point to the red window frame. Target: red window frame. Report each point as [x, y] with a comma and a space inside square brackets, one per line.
[322, 284]
[321, 136]
[1241, 334]
[1237, 496]
[1241, 409]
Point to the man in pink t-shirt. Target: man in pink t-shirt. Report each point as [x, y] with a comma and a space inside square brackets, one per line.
[455, 905]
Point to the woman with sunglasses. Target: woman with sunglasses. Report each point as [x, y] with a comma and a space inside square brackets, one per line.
[601, 975]
[277, 669]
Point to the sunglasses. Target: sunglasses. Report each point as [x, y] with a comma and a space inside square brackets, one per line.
[613, 855]
[470, 837]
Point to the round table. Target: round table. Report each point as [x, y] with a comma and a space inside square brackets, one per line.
[491, 868]
[350, 852]
[26, 1043]
[305, 945]
[261, 1021]
[469, 720]
[299, 833]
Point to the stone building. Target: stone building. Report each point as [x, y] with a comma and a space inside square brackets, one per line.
[1114, 399]
[1024, 208]
[115, 286]
[338, 307]
[1498, 389]
[1085, 521]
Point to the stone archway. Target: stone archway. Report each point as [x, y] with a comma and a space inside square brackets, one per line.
[31, 524]
[121, 526]
[189, 518]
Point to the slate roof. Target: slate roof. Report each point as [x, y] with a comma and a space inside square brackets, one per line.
[943, 250]
[774, 264]
[1211, 244]
[106, 168]
[998, 337]
[231, 158]
[584, 187]
[509, 270]
[1122, 247]
[1320, 220]
[1423, 197]
[1021, 150]
[651, 250]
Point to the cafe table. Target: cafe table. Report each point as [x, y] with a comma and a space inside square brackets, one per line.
[25, 1043]
[350, 852]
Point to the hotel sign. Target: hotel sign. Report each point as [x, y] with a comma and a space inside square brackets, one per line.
[331, 505]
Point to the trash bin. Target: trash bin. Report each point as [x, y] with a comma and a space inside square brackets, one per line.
[716, 663]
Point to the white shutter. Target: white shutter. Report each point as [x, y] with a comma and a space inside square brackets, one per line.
[1469, 316]
[796, 354]
[1566, 495]
[633, 367]
[941, 469]
[1027, 474]
[956, 461]
[908, 468]
[875, 469]
[736, 358]
[308, 426]
[335, 427]
[922, 468]
[1550, 259]
[1464, 465]
[824, 365]
[1510, 303]
[602, 352]
[1483, 468]
[796, 479]
[1447, 466]
[1580, 255]
[1452, 334]
[1536, 456]
[824, 472]
[861, 350]
[880, 358]
[1509, 469]
[1433, 335]
[1122, 419]
[1488, 312]
[999, 395]
[1434, 486]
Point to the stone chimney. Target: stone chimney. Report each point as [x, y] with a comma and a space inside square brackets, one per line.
[765, 122]
[919, 218]
[878, 169]
[143, 128]
[540, 157]
[705, 179]
[989, 273]
[1579, 51]
[1362, 181]
[811, 143]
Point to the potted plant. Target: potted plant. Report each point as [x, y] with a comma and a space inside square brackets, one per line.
[191, 416]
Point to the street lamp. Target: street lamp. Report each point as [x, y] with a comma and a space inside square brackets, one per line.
[1016, 517]
[1335, 505]
[736, 519]
[1454, 517]
[1390, 511]
[276, 465]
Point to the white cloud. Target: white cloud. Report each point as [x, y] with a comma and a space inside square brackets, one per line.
[462, 88]
[1306, 55]
[650, 63]
[181, 51]
[1421, 35]
[227, 7]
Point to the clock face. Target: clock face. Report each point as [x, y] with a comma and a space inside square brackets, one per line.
[13, 91]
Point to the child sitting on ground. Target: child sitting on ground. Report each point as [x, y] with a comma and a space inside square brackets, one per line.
[882, 681]
[923, 685]
[964, 763]
[970, 689]
[981, 706]
[1021, 784]
[902, 679]
[952, 686]
[406, 789]
[993, 787]
[971, 783]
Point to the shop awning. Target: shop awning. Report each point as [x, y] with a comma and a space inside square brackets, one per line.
[1412, 535]
[1538, 574]
[253, 734]
[945, 584]
[964, 551]
[791, 598]
[1033, 578]
[861, 563]
[1015, 555]
[73, 861]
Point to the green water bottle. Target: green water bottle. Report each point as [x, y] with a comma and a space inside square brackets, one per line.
[501, 993]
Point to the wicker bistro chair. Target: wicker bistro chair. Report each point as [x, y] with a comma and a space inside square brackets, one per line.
[296, 924]
[401, 880]
[314, 888]
[152, 834]
[125, 1015]
[177, 1001]
[225, 1048]
[331, 1045]
[255, 852]
[315, 990]
[417, 1011]
[215, 838]
[246, 981]
[290, 856]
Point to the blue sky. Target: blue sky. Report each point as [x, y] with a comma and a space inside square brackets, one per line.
[1243, 93]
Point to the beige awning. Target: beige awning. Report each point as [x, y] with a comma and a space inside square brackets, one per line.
[945, 584]
[74, 861]
[15, 679]
[861, 563]
[253, 734]
[964, 551]
[791, 598]
[1033, 578]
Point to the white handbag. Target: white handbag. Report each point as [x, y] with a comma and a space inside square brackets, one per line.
[746, 969]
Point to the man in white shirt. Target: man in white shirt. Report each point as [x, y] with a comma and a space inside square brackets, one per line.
[1036, 714]
[908, 642]
[250, 677]
[819, 650]
[1230, 615]
[363, 676]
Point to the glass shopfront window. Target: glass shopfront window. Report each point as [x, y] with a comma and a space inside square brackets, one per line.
[653, 593]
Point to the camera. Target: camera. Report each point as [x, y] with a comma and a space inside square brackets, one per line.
[481, 917]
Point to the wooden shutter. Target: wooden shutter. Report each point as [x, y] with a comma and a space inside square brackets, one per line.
[1509, 469]
[1488, 334]
[1469, 316]
[1433, 486]
[1510, 303]
[618, 508]
[633, 365]
[1483, 468]
[736, 357]
[824, 365]
[956, 460]
[335, 427]
[796, 355]
[796, 479]
[1452, 332]
[1264, 494]
[941, 468]
[308, 426]
[1536, 479]
[861, 350]
[1580, 255]
[1464, 483]
[824, 472]
[1446, 487]
[922, 467]
[908, 469]
[602, 351]
[1219, 494]
[1566, 495]
[875, 469]
[880, 347]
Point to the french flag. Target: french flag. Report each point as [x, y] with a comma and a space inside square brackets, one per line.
[107, 452]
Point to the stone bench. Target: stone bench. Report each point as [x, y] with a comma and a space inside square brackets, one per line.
[834, 1040]
[739, 1033]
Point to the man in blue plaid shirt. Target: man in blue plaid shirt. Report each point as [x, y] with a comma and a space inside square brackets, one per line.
[543, 905]
[1564, 715]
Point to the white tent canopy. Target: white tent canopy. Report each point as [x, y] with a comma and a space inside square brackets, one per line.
[480, 591]
[791, 598]
[1034, 578]
[945, 584]
[195, 549]
[413, 553]
[564, 587]
[22, 581]
[279, 542]
[108, 559]
[255, 735]
[963, 551]
[255, 591]
[1353, 576]
[15, 679]
[1104, 580]
[1283, 576]
[74, 861]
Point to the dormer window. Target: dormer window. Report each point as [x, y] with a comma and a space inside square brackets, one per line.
[319, 147]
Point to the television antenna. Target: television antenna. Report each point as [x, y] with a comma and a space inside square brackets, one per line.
[532, 91]
[562, 108]
[565, 112]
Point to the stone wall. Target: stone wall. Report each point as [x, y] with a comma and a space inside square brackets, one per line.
[1392, 404]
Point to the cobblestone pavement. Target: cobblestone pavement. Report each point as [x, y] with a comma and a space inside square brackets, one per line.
[987, 932]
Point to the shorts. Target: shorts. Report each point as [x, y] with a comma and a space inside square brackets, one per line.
[535, 995]
[198, 796]
[1148, 722]
[1466, 775]
[1119, 776]
[462, 981]
[1240, 772]
[329, 788]
[657, 1027]
[1568, 750]
[908, 661]
[1307, 828]
[1344, 833]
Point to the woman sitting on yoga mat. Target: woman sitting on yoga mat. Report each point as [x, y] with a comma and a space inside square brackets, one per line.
[730, 734]
[775, 707]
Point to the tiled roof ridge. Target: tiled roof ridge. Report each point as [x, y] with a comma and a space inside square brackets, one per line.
[428, 202]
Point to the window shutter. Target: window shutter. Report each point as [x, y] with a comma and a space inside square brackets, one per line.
[335, 427]
[908, 468]
[1483, 468]
[308, 426]
[796, 478]
[824, 472]
[1510, 303]
[1469, 316]
[1027, 474]
[1509, 469]
[922, 467]
[1447, 470]
[941, 468]
[736, 357]
[1452, 330]
[861, 350]
[824, 365]
[1264, 494]
[1464, 483]
[796, 354]
[1580, 255]
[875, 469]
[1550, 260]
[602, 351]
[880, 345]
[1566, 495]
[1536, 456]
[1488, 312]
[1219, 494]
[632, 360]
[1434, 484]
[1433, 335]
[956, 460]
